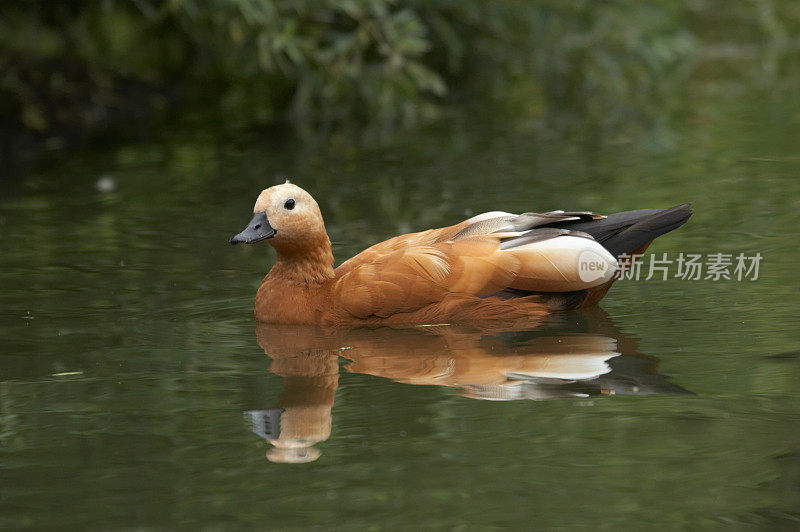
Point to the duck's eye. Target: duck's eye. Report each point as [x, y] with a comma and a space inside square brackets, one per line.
[289, 204]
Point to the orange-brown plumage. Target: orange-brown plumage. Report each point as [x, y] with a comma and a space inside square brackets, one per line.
[492, 266]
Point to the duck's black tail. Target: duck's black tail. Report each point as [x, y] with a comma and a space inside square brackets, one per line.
[620, 233]
[626, 232]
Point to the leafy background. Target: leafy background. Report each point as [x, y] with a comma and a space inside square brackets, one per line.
[67, 69]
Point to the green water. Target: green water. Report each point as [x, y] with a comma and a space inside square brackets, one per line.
[129, 355]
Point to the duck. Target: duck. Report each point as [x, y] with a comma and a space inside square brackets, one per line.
[493, 266]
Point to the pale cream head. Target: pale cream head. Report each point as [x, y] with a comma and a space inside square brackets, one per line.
[294, 215]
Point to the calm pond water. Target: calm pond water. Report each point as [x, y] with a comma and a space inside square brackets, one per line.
[136, 391]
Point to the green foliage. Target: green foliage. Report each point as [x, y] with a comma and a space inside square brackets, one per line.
[320, 63]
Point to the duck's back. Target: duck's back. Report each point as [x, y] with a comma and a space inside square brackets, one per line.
[493, 266]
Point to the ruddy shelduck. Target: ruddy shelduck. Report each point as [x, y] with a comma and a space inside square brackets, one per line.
[493, 266]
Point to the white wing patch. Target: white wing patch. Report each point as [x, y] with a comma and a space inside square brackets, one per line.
[487, 216]
[563, 263]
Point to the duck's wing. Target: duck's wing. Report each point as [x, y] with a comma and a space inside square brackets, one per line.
[404, 280]
[410, 240]
[503, 222]
[482, 224]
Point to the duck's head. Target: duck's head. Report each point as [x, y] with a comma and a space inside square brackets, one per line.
[288, 216]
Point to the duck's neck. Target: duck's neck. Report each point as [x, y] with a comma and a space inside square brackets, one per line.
[313, 264]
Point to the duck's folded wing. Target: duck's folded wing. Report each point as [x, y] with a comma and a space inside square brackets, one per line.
[482, 224]
[503, 222]
[546, 260]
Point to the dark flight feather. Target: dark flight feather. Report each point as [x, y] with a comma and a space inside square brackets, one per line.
[624, 232]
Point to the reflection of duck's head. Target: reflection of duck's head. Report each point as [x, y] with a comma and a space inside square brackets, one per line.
[301, 426]
[302, 417]
[292, 430]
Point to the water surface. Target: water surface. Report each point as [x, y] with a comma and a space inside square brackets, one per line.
[136, 391]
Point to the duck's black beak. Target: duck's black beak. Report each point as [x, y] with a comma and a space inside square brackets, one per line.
[257, 230]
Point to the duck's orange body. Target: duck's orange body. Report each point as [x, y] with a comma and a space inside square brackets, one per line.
[492, 266]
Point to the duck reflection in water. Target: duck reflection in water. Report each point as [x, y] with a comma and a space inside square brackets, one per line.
[578, 354]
